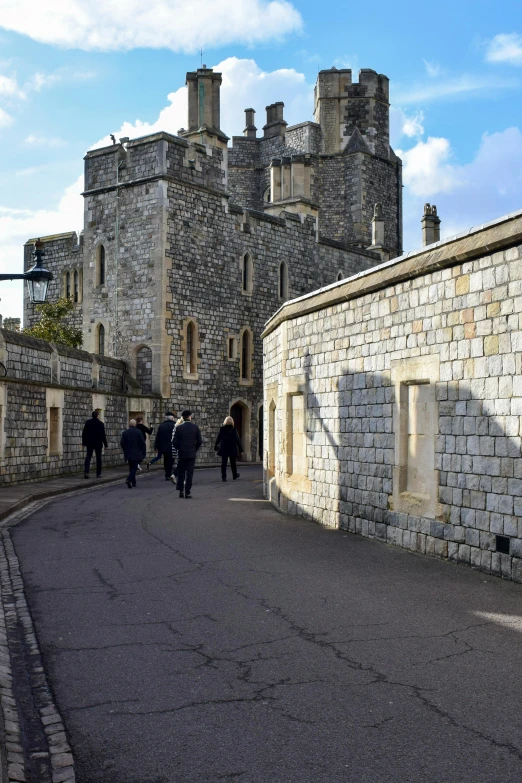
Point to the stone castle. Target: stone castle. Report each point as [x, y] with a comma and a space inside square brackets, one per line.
[190, 245]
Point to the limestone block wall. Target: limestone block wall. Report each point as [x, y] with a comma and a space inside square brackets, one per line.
[47, 394]
[410, 378]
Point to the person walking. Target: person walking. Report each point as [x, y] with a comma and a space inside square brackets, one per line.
[134, 450]
[163, 443]
[228, 446]
[187, 440]
[93, 438]
[144, 431]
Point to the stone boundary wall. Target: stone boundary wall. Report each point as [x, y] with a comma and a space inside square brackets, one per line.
[47, 392]
[393, 402]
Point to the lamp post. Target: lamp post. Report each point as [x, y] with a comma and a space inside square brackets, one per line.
[37, 277]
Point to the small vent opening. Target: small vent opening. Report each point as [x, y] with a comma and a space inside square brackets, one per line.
[503, 545]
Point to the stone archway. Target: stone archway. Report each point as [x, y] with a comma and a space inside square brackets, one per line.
[240, 412]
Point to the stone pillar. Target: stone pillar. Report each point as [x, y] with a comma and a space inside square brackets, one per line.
[378, 226]
[430, 225]
[250, 128]
[378, 244]
[275, 180]
[298, 176]
[286, 178]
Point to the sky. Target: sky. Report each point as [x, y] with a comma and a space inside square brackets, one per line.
[74, 71]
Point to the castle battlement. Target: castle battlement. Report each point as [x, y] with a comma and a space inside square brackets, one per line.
[153, 157]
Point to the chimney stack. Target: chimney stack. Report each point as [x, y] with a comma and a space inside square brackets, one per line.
[250, 128]
[430, 225]
[204, 108]
[275, 123]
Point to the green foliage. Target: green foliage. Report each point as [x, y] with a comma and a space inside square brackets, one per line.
[53, 327]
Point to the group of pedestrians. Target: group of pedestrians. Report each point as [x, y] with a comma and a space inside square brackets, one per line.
[176, 441]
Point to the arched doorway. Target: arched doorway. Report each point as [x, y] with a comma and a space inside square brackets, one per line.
[241, 415]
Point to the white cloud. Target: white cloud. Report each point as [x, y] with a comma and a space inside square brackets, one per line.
[244, 84]
[110, 25]
[19, 225]
[505, 48]
[432, 69]
[5, 119]
[44, 141]
[9, 87]
[427, 169]
[460, 86]
[403, 124]
[40, 80]
[466, 195]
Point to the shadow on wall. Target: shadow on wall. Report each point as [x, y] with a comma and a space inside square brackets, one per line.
[400, 456]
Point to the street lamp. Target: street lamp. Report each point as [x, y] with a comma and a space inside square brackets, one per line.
[37, 277]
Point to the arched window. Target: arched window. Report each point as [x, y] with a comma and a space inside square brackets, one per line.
[246, 274]
[283, 280]
[266, 196]
[190, 364]
[190, 349]
[246, 355]
[68, 285]
[76, 288]
[101, 271]
[101, 340]
[340, 276]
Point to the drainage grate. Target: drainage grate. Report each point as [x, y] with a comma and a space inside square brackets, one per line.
[503, 545]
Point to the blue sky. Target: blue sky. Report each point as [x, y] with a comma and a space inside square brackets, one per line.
[72, 72]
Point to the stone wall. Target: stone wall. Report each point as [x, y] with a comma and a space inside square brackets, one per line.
[206, 282]
[410, 379]
[46, 385]
[63, 253]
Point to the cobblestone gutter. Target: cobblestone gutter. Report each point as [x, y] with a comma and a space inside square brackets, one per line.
[35, 748]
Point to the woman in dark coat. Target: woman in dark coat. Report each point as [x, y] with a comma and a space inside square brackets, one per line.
[229, 447]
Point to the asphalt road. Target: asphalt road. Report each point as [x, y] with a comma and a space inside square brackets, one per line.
[218, 640]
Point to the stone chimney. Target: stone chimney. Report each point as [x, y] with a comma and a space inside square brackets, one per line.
[250, 129]
[430, 225]
[275, 123]
[204, 108]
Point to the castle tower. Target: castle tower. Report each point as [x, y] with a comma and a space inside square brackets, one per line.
[358, 167]
[204, 108]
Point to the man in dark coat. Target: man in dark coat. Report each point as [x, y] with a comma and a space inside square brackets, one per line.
[187, 440]
[163, 443]
[134, 450]
[93, 438]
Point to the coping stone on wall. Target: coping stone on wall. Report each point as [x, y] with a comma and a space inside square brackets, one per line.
[497, 235]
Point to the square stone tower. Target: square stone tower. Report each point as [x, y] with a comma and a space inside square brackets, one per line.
[359, 167]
